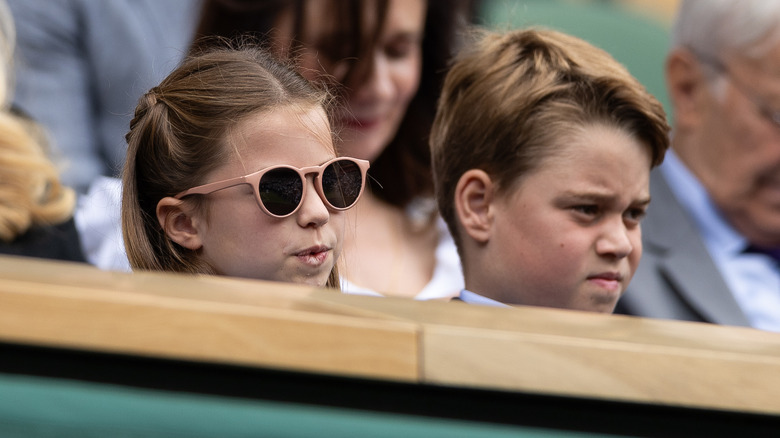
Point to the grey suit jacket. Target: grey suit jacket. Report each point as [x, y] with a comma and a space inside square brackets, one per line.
[676, 278]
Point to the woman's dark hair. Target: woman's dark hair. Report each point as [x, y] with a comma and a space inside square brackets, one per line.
[403, 169]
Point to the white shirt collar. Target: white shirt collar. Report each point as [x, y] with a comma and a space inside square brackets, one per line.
[472, 298]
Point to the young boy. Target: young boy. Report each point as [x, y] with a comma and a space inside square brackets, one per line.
[542, 148]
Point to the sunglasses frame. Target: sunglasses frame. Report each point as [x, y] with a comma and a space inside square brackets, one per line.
[253, 179]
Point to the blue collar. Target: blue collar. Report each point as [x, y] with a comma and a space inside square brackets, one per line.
[472, 298]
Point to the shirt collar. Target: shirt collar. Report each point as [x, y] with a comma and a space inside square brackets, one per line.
[472, 298]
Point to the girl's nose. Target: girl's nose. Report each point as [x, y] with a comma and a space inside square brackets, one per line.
[313, 211]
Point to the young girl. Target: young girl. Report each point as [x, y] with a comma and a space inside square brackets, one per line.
[231, 170]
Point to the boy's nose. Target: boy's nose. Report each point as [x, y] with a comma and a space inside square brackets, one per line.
[615, 240]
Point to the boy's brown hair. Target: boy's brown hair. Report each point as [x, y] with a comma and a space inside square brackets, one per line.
[510, 97]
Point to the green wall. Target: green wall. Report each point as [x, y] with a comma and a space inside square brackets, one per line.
[638, 42]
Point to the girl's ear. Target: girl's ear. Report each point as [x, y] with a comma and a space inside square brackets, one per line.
[179, 223]
[474, 197]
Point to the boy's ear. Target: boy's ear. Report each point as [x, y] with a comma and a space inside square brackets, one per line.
[474, 196]
[178, 223]
[686, 84]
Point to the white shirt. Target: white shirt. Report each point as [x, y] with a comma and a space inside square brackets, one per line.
[98, 220]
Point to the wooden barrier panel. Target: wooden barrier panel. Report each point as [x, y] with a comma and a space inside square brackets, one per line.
[581, 354]
[252, 323]
[197, 318]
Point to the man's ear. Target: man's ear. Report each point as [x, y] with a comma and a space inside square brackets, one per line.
[176, 219]
[474, 196]
[687, 86]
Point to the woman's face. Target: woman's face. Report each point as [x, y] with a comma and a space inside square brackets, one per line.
[377, 99]
[238, 239]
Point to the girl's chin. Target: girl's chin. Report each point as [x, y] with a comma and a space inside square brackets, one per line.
[320, 280]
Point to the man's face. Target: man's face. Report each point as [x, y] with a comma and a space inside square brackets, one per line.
[739, 158]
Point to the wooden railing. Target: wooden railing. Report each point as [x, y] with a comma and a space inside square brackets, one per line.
[280, 326]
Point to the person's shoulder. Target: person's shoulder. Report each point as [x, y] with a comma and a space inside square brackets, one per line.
[60, 242]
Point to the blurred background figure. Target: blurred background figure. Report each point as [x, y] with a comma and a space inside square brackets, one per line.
[35, 207]
[712, 236]
[81, 66]
[387, 60]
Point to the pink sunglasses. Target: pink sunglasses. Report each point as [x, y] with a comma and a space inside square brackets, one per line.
[280, 190]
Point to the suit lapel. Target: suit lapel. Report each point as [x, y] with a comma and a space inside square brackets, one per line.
[685, 261]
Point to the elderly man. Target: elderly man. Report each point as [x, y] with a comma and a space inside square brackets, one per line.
[712, 236]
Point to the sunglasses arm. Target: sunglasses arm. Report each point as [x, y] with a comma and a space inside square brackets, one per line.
[213, 187]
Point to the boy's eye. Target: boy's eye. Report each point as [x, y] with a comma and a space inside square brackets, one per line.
[635, 214]
[588, 210]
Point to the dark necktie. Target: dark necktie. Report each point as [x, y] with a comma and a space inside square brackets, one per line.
[773, 253]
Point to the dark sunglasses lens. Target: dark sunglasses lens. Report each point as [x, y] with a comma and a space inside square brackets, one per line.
[341, 183]
[281, 191]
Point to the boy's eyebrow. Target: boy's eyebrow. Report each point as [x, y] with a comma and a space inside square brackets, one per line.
[593, 197]
[644, 201]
